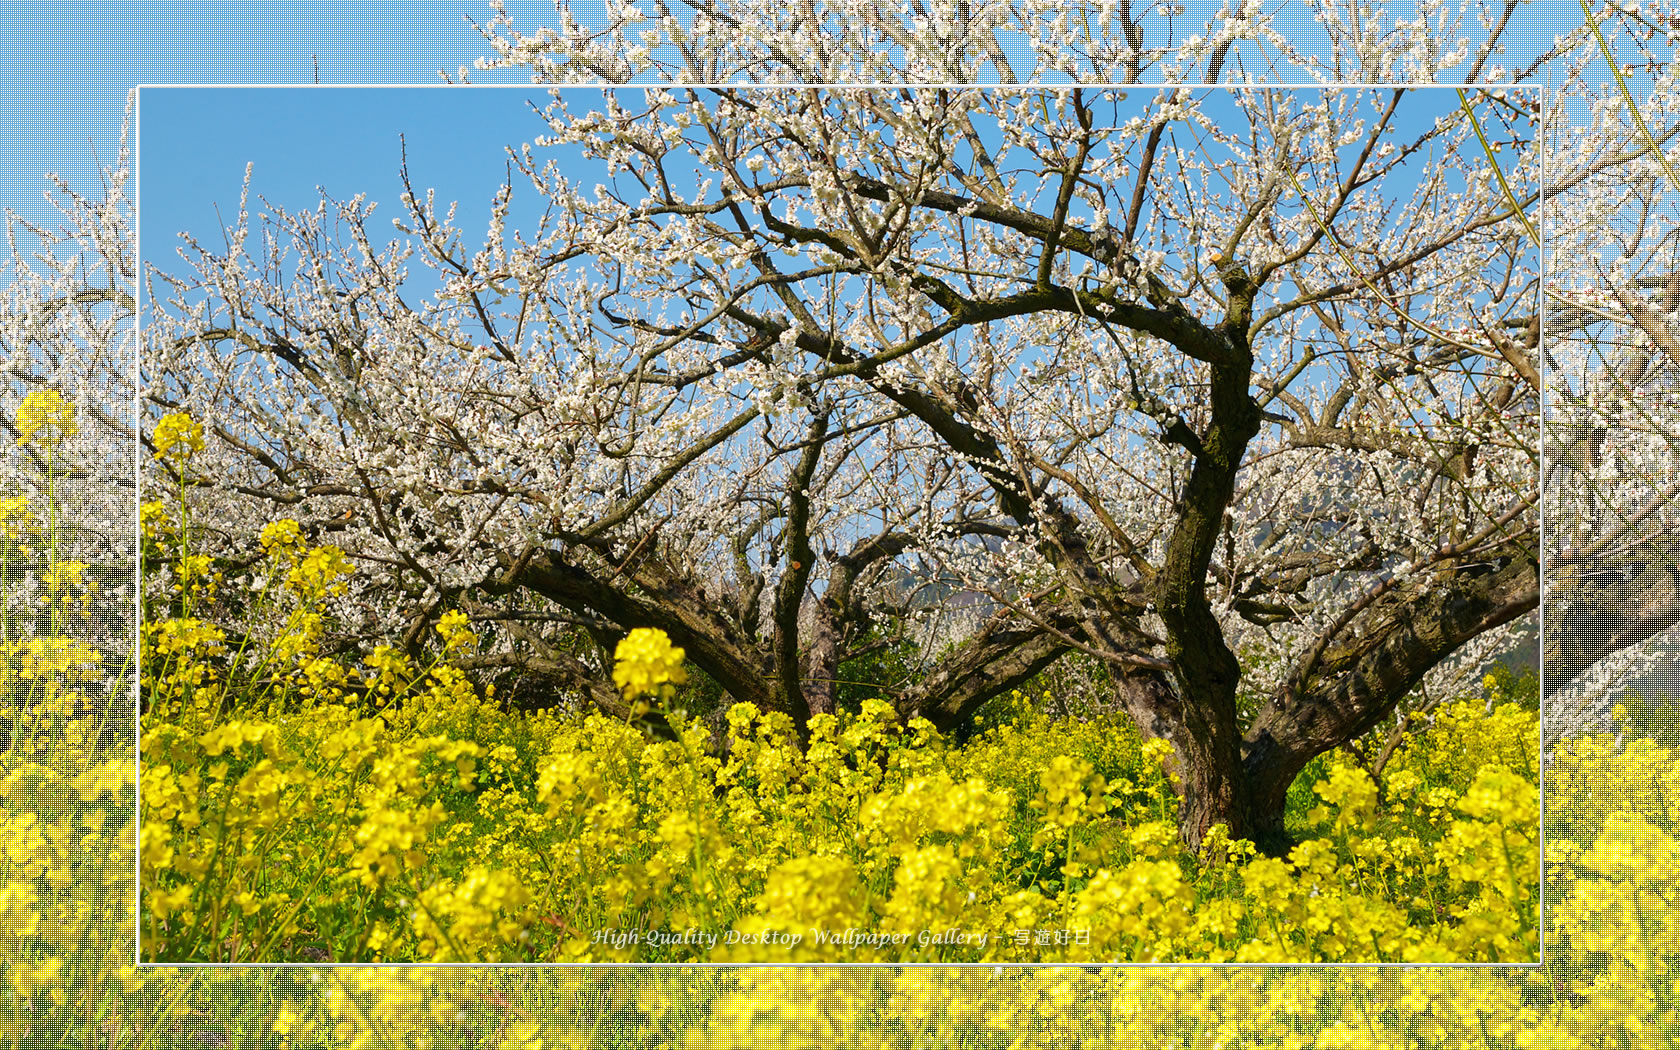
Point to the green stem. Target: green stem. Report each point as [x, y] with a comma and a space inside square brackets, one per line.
[1627, 96]
[326, 854]
[1516, 892]
[200, 898]
[52, 539]
[1498, 172]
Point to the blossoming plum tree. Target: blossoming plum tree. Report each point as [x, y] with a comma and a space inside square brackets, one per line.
[67, 351]
[1166, 375]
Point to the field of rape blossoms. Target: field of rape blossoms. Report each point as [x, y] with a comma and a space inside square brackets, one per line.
[301, 806]
[388, 809]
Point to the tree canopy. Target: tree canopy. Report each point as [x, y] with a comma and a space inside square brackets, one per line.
[1236, 391]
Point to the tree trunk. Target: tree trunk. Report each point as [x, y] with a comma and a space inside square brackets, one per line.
[1212, 784]
[1212, 790]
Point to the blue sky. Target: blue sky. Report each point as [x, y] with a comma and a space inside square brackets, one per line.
[66, 67]
[301, 141]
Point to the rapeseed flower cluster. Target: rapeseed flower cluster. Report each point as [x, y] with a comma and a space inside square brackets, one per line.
[15, 516]
[318, 572]
[45, 418]
[253, 820]
[647, 664]
[176, 437]
[445, 827]
[452, 627]
[303, 803]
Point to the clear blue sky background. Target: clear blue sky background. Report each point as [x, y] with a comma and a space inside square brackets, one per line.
[66, 67]
[301, 141]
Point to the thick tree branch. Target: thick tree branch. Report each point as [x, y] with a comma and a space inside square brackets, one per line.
[1357, 685]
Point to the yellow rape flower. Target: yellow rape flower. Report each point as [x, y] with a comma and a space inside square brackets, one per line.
[195, 574]
[62, 575]
[1070, 794]
[283, 537]
[319, 573]
[820, 891]
[647, 664]
[43, 409]
[452, 625]
[1351, 793]
[177, 437]
[41, 657]
[14, 515]
[154, 519]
